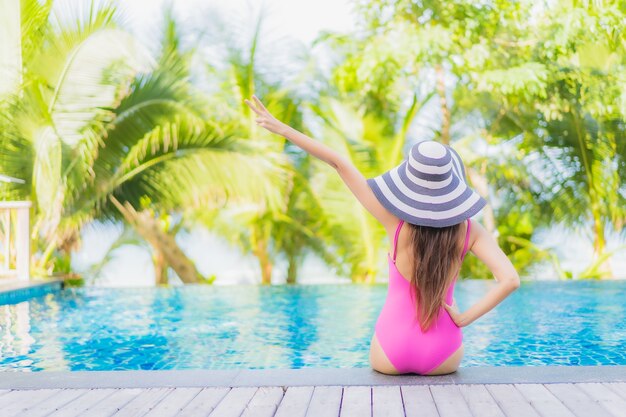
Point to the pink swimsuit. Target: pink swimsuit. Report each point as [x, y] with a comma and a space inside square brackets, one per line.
[399, 333]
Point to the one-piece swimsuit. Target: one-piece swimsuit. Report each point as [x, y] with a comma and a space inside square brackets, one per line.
[398, 330]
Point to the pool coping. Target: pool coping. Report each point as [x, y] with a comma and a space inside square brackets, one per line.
[15, 291]
[307, 377]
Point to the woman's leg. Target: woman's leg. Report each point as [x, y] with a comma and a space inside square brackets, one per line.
[449, 365]
[379, 360]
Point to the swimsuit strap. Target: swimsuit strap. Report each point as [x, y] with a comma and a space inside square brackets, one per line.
[469, 227]
[395, 239]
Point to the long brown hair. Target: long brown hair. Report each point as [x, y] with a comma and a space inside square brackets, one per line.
[436, 255]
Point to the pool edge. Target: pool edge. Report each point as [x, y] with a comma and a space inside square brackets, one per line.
[307, 377]
[15, 292]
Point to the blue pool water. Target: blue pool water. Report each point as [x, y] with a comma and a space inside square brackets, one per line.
[210, 327]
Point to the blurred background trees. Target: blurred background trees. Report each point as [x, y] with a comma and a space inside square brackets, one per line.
[532, 95]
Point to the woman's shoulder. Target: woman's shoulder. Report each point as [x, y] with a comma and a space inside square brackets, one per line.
[392, 225]
[477, 232]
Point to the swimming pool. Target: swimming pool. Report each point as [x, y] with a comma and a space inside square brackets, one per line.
[211, 327]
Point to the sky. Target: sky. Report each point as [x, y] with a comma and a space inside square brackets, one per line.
[301, 20]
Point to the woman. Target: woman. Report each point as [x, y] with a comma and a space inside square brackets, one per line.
[419, 327]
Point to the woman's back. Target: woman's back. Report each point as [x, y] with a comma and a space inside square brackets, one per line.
[398, 330]
[429, 188]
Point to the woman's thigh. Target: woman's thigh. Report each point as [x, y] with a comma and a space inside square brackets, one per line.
[379, 360]
[451, 364]
[381, 363]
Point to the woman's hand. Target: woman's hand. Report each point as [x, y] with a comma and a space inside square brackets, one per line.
[455, 314]
[265, 118]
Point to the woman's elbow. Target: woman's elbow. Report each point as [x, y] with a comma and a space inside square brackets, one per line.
[514, 282]
[509, 280]
[339, 163]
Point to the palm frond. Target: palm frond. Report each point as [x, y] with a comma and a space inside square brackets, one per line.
[35, 26]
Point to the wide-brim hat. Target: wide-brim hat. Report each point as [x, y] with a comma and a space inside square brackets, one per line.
[429, 188]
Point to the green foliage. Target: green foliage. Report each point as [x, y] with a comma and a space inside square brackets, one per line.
[545, 79]
[532, 94]
[93, 124]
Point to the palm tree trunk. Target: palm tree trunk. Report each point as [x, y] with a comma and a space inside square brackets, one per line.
[599, 245]
[259, 242]
[261, 252]
[445, 112]
[148, 228]
[160, 268]
[266, 271]
[599, 242]
[292, 270]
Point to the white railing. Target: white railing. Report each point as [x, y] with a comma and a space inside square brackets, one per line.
[22, 238]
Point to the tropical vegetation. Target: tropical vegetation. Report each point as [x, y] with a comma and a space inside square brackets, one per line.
[102, 129]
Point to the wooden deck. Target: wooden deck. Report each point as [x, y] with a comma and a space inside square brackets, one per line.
[483, 400]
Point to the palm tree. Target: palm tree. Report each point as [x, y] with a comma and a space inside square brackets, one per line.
[96, 138]
[62, 93]
[544, 78]
[562, 99]
[290, 228]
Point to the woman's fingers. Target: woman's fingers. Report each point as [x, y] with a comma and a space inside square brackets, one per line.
[258, 102]
[265, 119]
[254, 109]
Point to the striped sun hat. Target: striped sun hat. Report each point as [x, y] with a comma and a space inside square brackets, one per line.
[429, 188]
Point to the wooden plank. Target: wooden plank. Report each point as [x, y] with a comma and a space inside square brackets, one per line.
[144, 402]
[357, 401]
[264, 403]
[617, 387]
[79, 406]
[387, 401]
[450, 401]
[113, 403]
[576, 400]
[233, 403]
[418, 401]
[543, 400]
[480, 401]
[295, 402]
[171, 405]
[491, 400]
[511, 401]
[204, 402]
[15, 402]
[55, 402]
[325, 401]
[615, 404]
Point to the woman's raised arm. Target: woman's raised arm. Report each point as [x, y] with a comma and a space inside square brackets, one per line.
[350, 175]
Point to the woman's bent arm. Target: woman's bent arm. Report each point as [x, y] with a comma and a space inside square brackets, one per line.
[493, 297]
[485, 247]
